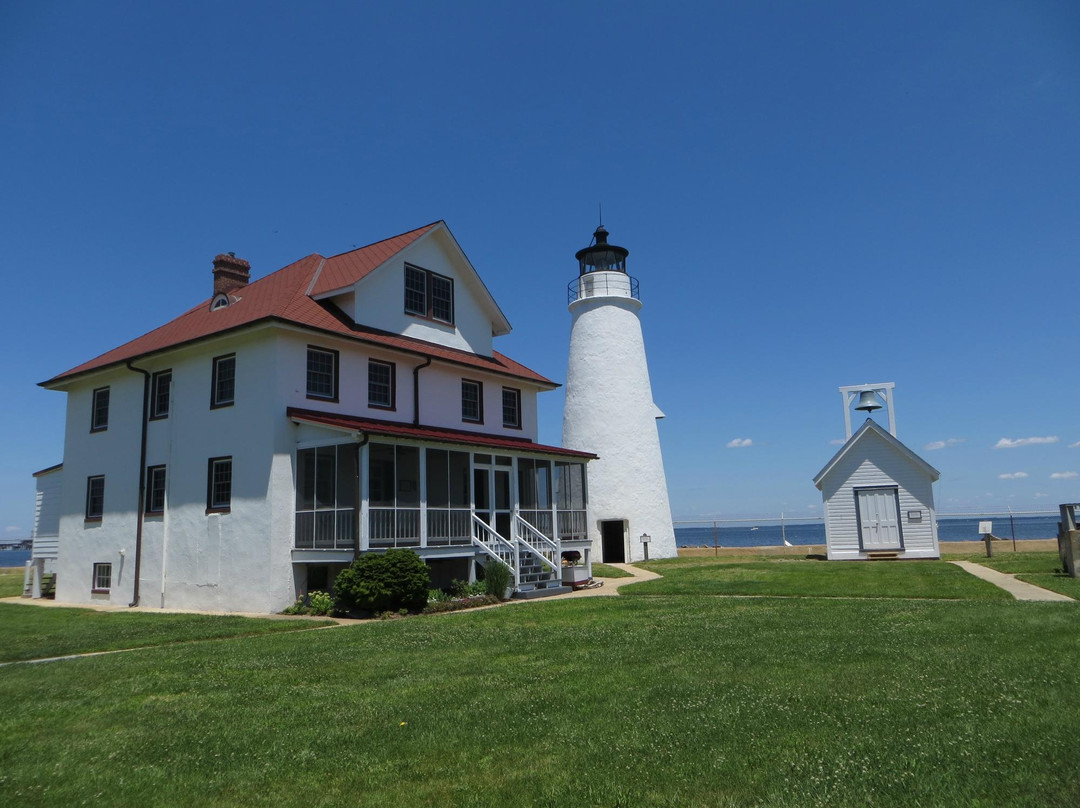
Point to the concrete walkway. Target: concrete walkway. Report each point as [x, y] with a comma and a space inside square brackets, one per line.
[611, 585]
[1018, 589]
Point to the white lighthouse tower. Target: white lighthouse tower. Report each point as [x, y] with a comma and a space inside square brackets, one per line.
[610, 410]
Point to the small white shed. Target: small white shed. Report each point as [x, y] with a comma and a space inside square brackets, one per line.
[879, 499]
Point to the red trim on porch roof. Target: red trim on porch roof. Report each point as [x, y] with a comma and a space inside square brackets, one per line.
[428, 433]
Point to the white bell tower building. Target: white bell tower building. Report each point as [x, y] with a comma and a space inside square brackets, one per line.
[610, 411]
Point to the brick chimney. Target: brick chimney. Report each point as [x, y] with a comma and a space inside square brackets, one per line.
[230, 273]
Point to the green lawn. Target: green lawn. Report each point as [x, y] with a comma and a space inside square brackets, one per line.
[788, 576]
[672, 700]
[37, 632]
[608, 571]
[11, 582]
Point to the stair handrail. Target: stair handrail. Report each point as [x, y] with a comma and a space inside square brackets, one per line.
[527, 531]
[495, 543]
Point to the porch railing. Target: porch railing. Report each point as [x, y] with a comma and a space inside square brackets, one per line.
[573, 526]
[536, 543]
[326, 530]
[539, 519]
[448, 526]
[497, 547]
[393, 527]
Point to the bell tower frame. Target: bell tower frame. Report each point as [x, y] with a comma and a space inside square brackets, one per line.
[883, 391]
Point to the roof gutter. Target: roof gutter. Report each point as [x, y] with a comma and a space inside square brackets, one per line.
[57, 382]
[140, 514]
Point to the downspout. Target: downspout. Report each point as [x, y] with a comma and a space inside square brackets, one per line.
[142, 477]
[416, 390]
[359, 510]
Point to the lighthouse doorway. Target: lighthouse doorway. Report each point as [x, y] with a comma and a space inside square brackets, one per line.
[613, 537]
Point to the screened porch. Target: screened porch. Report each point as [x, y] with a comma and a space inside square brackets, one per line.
[380, 495]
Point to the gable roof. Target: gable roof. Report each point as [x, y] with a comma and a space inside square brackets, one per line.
[339, 273]
[433, 434]
[871, 427]
[286, 296]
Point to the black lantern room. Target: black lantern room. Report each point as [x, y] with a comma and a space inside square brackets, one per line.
[601, 256]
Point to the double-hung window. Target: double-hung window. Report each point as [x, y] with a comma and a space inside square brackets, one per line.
[223, 386]
[99, 413]
[102, 578]
[380, 377]
[219, 484]
[428, 294]
[472, 401]
[511, 407]
[155, 490]
[322, 373]
[160, 389]
[95, 498]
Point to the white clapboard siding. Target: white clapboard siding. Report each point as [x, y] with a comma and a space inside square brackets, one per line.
[874, 459]
[47, 513]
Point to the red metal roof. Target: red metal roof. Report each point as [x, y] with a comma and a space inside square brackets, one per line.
[428, 433]
[283, 296]
[346, 269]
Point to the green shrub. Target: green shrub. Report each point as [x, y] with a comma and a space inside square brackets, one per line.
[437, 596]
[320, 603]
[463, 589]
[376, 583]
[497, 578]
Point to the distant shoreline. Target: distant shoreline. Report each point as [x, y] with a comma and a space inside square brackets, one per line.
[946, 547]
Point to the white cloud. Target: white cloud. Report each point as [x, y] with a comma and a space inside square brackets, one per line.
[1016, 475]
[739, 443]
[1064, 475]
[1041, 495]
[837, 442]
[12, 529]
[941, 444]
[1012, 443]
[1075, 445]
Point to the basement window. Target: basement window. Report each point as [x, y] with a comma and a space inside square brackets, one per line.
[102, 579]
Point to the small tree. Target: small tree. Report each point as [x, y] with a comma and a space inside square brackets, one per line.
[394, 580]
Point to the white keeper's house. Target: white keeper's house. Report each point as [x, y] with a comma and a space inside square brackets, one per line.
[246, 451]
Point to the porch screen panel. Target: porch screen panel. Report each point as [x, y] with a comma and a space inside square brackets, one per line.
[326, 497]
[408, 496]
[381, 482]
[394, 496]
[448, 519]
[460, 496]
[438, 496]
[527, 483]
[570, 499]
[534, 490]
[348, 481]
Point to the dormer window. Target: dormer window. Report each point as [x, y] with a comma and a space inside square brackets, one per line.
[429, 295]
[219, 302]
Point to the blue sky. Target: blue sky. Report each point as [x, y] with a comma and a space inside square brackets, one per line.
[813, 195]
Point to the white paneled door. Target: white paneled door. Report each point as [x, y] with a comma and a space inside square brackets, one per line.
[879, 519]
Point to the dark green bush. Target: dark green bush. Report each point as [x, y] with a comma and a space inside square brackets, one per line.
[376, 583]
[497, 578]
